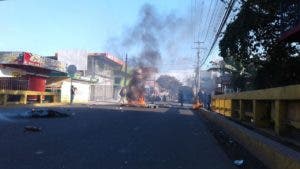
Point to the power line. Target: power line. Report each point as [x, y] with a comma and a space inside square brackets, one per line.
[211, 19]
[193, 16]
[223, 22]
[200, 20]
[216, 22]
[197, 68]
[205, 23]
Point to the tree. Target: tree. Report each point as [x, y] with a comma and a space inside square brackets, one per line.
[169, 83]
[251, 44]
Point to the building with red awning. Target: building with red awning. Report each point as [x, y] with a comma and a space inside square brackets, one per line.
[28, 72]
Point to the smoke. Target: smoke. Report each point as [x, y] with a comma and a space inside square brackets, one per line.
[136, 87]
[146, 42]
[154, 39]
[145, 36]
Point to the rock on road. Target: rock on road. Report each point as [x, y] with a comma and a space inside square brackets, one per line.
[110, 137]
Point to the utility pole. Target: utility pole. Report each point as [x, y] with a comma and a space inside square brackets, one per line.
[125, 78]
[197, 69]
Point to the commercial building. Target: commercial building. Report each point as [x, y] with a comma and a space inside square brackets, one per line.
[24, 71]
[106, 70]
[98, 77]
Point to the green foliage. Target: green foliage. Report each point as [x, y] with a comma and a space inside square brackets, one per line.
[251, 44]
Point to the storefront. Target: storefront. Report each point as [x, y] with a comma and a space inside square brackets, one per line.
[28, 72]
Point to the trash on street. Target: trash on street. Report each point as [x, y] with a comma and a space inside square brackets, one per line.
[43, 113]
[32, 129]
[238, 162]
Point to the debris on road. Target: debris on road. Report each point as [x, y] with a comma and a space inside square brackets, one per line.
[43, 113]
[32, 129]
[152, 106]
[164, 105]
[39, 152]
[238, 162]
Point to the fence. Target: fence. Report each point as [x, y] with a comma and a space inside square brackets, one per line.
[13, 83]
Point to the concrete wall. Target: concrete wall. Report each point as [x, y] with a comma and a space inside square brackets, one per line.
[273, 154]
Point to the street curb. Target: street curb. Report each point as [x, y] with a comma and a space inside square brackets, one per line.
[273, 154]
[42, 105]
[62, 104]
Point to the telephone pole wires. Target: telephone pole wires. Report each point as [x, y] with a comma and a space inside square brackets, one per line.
[197, 68]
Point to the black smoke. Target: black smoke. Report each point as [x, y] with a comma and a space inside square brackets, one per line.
[151, 37]
[144, 43]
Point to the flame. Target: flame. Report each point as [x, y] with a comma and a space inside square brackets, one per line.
[140, 102]
[197, 105]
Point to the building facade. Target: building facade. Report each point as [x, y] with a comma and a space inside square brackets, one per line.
[105, 69]
[24, 71]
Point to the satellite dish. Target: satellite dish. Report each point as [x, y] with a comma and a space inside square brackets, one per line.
[72, 70]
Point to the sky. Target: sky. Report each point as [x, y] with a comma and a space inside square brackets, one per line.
[45, 26]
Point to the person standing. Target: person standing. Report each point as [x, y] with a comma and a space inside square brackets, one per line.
[208, 101]
[73, 90]
[180, 97]
[123, 95]
[164, 99]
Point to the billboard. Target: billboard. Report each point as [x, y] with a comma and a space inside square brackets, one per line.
[38, 61]
[26, 58]
[11, 57]
[74, 57]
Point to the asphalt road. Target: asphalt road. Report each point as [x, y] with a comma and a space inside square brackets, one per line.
[107, 137]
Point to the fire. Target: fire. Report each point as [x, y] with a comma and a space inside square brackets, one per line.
[136, 87]
[197, 105]
[140, 102]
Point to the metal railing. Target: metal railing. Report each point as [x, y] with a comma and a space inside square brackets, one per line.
[278, 108]
[13, 83]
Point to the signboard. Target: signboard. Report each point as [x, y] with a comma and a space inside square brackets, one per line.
[54, 65]
[11, 57]
[38, 61]
[26, 58]
[72, 70]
